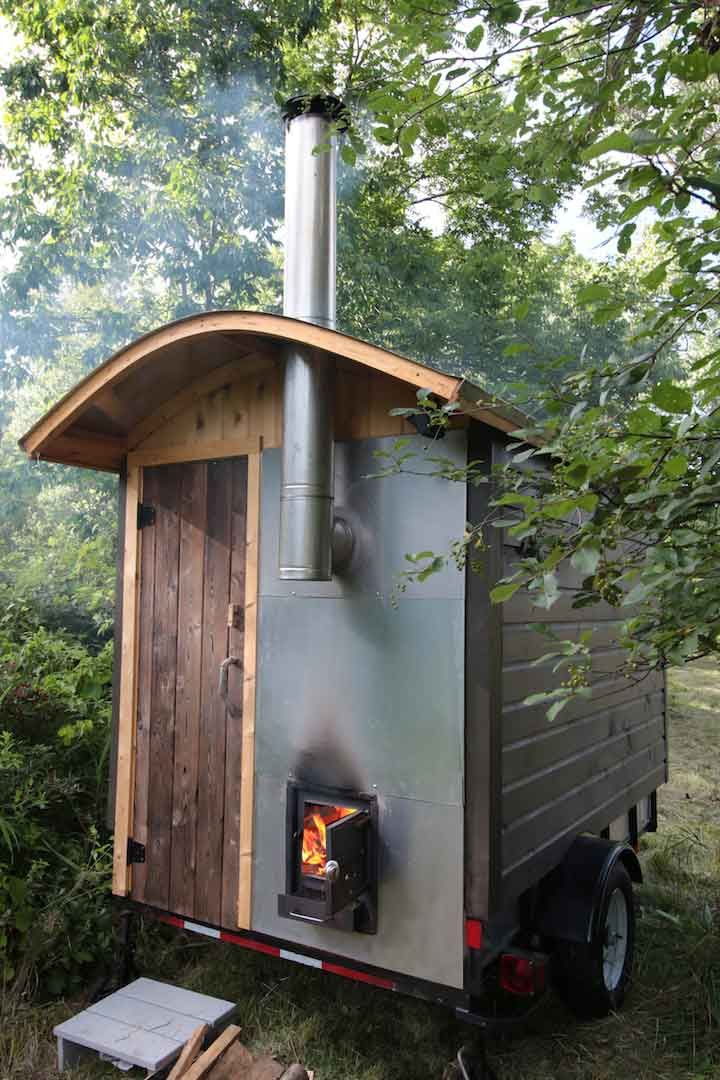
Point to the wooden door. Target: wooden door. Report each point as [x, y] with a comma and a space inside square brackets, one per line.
[188, 734]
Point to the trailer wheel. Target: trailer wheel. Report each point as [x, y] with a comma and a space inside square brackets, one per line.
[592, 978]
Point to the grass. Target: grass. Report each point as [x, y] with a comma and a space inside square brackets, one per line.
[668, 1030]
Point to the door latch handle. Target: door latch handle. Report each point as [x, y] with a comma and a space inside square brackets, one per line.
[228, 662]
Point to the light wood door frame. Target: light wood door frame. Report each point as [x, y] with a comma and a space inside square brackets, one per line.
[125, 775]
[127, 710]
[247, 757]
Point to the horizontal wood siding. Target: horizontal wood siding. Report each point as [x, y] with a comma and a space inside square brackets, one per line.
[594, 761]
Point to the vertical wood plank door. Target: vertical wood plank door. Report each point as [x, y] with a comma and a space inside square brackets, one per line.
[188, 736]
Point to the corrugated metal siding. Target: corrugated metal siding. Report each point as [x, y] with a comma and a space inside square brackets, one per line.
[596, 760]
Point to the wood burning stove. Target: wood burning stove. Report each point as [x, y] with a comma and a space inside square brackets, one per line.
[331, 863]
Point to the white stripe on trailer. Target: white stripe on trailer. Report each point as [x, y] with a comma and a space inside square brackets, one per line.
[309, 961]
[197, 928]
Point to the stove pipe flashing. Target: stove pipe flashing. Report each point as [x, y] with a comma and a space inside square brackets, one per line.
[306, 498]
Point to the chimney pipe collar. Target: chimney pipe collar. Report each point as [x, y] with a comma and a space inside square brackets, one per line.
[326, 105]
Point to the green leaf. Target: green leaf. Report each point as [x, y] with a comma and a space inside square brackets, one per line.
[692, 67]
[541, 697]
[625, 238]
[656, 276]
[501, 593]
[586, 559]
[407, 138]
[559, 508]
[475, 37]
[348, 155]
[618, 141]
[555, 557]
[643, 421]
[675, 466]
[520, 310]
[592, 293]
[383, 102]
[549, 592]
[384, 135]
[636, 207]
[609, 312]
[556, 707]
[587, 502]
[24, 919]
[434, 567]
[516, 348]
[671, 398]
[515, 498]
[436, 124]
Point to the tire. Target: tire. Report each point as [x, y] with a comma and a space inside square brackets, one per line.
[592, 978]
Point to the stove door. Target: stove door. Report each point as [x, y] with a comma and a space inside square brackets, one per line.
[348, 847]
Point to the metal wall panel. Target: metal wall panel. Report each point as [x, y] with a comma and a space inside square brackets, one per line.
[420, 906]
[356, 692]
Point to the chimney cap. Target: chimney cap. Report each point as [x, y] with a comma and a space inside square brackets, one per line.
[327, 105]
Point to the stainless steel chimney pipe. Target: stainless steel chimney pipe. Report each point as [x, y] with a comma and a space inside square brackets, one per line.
[306, 499]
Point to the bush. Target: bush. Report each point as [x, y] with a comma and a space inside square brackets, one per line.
[55, 857]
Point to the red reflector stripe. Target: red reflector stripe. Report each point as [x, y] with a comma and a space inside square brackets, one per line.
[172, 920]
[473, 933]
[273, 950]
[248, 943]
[359, 976]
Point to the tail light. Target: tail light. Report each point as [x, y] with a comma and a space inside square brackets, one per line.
[522, 973]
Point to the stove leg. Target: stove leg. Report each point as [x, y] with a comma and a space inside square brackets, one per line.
[128, 930]
[123, 969]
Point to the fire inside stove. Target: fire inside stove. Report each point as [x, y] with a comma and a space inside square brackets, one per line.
[314, 841]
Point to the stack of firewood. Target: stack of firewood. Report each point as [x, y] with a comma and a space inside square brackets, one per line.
[227, 1059]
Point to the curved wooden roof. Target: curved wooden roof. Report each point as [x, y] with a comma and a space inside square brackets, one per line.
[101, 419]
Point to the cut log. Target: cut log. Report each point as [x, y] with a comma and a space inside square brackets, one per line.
[235, 1064]
[295, 1072]
[189, 1052]
[265, 1068]
[206, 1061]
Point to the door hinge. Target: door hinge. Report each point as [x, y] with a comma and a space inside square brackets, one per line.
[135, 851]
[146, 515]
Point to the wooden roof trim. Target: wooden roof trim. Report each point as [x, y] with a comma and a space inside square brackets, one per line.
[275, 327]
[140, 351]
[88, 449]
[272, 326]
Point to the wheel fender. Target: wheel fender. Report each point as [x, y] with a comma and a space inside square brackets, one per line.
[570, 897]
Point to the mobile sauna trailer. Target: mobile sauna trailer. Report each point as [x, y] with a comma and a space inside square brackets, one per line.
[302, 767]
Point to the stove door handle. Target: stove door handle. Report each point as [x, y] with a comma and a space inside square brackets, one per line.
[228, 662]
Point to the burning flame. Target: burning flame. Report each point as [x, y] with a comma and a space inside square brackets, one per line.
[314, 841]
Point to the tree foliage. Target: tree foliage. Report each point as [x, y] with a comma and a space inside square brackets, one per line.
[623, 97]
